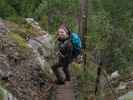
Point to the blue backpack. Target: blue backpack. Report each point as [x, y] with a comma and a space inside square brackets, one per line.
[76, 42]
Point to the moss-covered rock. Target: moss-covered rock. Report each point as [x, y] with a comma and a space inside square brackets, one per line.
[21, 42]
[25, 29]
[22, 66]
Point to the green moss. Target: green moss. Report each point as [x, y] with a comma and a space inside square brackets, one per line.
[77, 69]
[31, 30]
[21, 42]
[2, 90]
[1, 94]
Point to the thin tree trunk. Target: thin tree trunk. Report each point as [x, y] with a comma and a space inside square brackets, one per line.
[83, 24]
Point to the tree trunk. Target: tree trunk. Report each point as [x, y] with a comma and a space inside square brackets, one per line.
[83, 24]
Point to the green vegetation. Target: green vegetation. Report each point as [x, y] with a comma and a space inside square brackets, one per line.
[1, 94]
[49, 12]
[112, 23]
[19, 40]
[110, 29]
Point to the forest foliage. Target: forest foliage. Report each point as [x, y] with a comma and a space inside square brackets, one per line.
[110, 23]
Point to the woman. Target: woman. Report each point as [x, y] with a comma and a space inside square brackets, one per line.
[65, 54]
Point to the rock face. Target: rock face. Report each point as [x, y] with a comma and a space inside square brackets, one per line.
[128, 96]
[43, 47]
[115, 75]
[3, 28]
[25, 71]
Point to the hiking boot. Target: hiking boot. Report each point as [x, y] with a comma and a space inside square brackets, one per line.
[59, 82]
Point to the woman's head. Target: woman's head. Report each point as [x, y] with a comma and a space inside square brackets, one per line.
[63, 32]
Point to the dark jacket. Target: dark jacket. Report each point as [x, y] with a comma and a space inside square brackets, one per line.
[65, 49]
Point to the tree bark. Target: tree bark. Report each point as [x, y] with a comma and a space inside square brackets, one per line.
[83, 25]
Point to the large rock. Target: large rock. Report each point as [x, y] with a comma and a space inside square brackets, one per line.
[128, 96]
[3, 28]
[21, 68]
[43, 47]
[115, 75]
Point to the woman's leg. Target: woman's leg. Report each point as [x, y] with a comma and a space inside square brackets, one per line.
[67, 72]
[57, 73]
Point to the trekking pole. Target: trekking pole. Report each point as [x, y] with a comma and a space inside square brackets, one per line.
[109, 84]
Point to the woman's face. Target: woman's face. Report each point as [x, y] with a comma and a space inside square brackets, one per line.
[62, 34]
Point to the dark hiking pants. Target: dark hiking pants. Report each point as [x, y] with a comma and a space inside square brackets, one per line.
[64, 64]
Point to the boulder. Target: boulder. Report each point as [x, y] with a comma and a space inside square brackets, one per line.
[26, 70]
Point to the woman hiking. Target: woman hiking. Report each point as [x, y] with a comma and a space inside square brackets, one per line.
[69, 48]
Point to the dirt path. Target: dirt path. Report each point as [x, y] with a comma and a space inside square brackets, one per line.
[64, 92]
